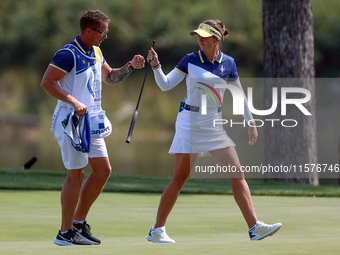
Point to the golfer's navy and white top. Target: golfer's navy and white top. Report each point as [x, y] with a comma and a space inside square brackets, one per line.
[195, 132]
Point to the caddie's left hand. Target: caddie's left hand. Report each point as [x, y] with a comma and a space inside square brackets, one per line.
[137, 62]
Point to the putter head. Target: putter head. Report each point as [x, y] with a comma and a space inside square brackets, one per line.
[153, 41]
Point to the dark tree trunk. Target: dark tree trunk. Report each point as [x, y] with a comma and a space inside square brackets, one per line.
[339, 163]
[289, 62]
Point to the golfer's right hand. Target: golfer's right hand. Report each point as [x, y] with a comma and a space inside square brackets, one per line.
[80, 108]
[152, 57]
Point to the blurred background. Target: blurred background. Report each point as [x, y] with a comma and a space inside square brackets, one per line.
[32, 31]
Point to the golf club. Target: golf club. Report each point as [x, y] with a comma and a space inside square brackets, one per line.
[135, 113]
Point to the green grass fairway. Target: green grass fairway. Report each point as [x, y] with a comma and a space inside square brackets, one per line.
[200, 224]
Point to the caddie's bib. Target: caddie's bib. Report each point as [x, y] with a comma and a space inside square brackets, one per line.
[84, 83]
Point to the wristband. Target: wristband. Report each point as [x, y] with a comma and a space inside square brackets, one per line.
[156, 65]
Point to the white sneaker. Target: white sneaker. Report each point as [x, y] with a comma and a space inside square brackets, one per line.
[158, 235]
[261, 230]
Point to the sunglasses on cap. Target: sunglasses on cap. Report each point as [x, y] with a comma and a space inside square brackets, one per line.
[102, 33]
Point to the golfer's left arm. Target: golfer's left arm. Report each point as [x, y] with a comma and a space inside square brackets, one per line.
[114, 75]
[252, 132]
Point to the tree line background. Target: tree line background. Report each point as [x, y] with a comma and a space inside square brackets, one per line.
[32, 31]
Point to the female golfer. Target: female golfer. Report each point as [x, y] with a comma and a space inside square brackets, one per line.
[195, 134]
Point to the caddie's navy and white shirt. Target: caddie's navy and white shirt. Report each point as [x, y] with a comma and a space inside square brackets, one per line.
[83, 75]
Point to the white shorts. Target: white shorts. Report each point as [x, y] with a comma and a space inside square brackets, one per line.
[72, 158]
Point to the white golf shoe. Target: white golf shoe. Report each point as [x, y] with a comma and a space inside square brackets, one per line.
[158, 235]
[261, 230]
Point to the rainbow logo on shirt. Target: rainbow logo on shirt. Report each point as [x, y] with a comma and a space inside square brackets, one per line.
[209, 93]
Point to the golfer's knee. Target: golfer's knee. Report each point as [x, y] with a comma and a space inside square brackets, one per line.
[238, 180]
[236, 175]
[179, 181]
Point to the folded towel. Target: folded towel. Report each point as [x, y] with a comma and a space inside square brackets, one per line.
[78, 129]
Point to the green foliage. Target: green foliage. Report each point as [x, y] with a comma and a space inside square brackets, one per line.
[32, 31]
[36, 29]
[327, 37]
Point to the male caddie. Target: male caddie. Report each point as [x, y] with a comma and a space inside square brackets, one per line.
[74, 77]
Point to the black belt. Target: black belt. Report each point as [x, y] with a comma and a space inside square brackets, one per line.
[193, 108]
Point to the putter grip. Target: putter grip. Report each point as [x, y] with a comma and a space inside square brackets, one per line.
[132, 125]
